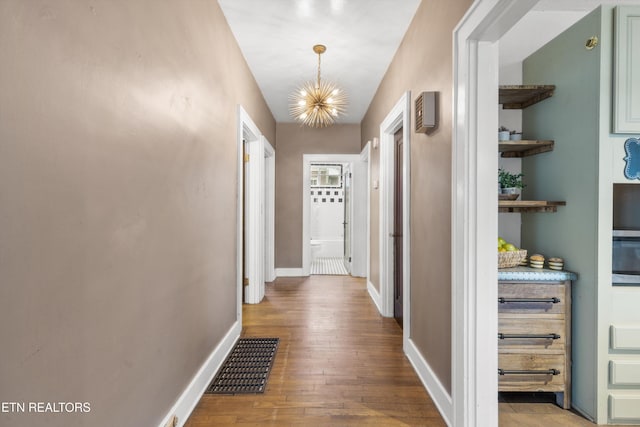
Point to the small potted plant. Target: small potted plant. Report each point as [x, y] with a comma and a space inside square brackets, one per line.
[503, 133]
[510, 183]
[515, 136]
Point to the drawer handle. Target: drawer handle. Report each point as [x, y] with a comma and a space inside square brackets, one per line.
[541, 336]
[503, 300]
[514, 372]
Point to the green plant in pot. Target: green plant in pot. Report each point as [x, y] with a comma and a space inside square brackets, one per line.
[510, 182]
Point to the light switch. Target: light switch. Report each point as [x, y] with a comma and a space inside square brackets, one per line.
[375, 184]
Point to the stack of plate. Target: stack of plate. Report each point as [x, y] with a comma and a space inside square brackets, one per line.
[524, 262]
[556, 263]
[536, 261]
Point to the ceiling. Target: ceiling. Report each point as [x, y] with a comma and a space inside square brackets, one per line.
[276, 38]
[554, 16]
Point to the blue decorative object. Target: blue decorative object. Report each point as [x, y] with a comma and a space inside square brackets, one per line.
[632, 149]
[526, 274]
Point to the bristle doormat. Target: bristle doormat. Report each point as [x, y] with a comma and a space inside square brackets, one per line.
[247, 367]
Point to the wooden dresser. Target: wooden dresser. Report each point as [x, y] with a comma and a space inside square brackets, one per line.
[534, 337]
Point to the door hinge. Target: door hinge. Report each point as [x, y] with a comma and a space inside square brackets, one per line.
[349, 259]
[350, 175]
[246, 158]
[245, 281]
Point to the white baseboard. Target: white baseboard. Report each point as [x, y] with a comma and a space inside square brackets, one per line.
[271, 276]
[375, 296]
[290, 272]
[192, 394]
[436, 390]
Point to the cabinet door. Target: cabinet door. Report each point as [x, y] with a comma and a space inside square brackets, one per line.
[626, 108]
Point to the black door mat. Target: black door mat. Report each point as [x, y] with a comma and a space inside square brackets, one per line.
[247, 367]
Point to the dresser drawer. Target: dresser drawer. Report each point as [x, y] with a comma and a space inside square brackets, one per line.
[531, 298]
[531, 372]
[531, 334]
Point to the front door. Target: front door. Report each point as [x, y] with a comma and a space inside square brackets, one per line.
[398, 226]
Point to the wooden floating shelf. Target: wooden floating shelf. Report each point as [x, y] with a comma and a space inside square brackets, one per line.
[524, 148]
[528, 206]
[522, 96]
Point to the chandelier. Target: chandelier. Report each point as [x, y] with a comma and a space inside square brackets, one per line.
[318, 104]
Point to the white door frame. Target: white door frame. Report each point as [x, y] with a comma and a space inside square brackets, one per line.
[254, 193]
[269, 211]
[246, 131]
[474, 209]
[348, 172]
[256, 251]
[360, 208]
[307, 159]
[398, 117]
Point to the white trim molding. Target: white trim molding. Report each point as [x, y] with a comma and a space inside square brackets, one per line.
[254, 221]
[437, 391]
[398, 117]
[365, 157]
[375, 295]
[474, 209]
[290, 272]
[192, 394]
[251, 246]
[269, 211]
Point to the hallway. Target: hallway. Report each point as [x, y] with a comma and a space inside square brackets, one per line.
[339, 363]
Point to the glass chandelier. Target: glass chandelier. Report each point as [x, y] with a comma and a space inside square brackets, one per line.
[318, 104]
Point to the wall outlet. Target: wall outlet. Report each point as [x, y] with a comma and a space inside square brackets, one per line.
[172, 422]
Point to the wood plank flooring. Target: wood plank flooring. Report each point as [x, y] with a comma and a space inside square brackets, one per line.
[536, 410]
[338, 364]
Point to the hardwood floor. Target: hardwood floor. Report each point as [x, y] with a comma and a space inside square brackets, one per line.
[536, 410]
[339, 363]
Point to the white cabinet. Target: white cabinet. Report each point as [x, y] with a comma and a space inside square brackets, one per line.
[626, 103]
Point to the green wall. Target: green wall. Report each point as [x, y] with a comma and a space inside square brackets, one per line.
[569, 173]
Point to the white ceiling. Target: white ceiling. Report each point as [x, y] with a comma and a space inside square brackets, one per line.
[277, 36]
[543, 23]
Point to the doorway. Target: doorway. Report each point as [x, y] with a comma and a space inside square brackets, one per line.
[256, 201]
[357, 211]
[398, 222]
[258, 216]
[478, 40]
[329, 218]
[394, 216]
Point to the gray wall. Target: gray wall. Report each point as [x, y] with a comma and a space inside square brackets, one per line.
[117, 202]
[293, 141]
[569, 173]
[423, 63]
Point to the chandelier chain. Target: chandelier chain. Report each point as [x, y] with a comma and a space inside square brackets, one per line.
[319, 55]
